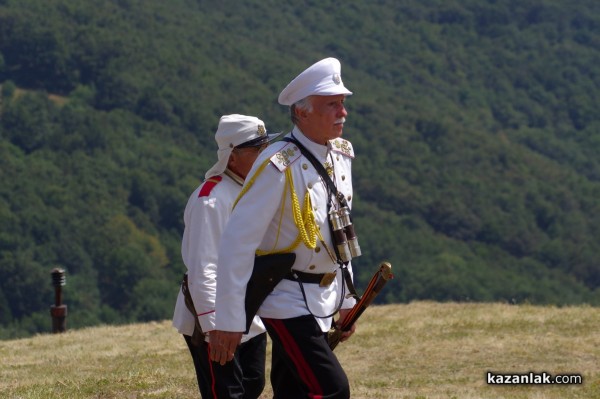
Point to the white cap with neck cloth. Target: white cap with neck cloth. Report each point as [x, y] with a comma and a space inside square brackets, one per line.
[237, 130]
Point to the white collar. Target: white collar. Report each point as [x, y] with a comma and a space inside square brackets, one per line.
[234, 177]
[316, 149]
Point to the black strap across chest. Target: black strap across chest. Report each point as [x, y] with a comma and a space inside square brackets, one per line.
[342, 200]
[320, 170]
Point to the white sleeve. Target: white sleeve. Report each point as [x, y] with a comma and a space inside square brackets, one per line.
[242, 236]
[205, 219]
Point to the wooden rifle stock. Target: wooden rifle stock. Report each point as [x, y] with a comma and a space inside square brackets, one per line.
[375, 286]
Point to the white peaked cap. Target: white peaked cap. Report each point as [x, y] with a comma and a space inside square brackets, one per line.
[322, 79]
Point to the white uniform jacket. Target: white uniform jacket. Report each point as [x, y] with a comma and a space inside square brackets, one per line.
[206, 214]
[263, 220]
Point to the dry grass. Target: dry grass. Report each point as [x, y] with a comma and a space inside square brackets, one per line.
[421, 350]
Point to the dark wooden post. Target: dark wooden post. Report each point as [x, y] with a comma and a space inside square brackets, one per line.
[58, 310]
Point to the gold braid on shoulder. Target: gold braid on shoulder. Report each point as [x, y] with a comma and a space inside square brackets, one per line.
[304, 218]
[251, 181]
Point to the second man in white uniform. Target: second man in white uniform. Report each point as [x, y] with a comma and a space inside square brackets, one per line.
[240, 139]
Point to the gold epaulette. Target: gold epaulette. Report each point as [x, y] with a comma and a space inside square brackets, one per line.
[286, 156]
[342, 146]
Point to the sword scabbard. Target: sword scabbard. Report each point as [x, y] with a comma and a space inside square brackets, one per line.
[375, 286]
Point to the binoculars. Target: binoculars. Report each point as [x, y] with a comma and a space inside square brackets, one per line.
[344, 236]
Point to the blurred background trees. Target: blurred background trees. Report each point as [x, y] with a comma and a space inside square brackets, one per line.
[474, 123]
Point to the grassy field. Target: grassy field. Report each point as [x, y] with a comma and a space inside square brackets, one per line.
[420, 350]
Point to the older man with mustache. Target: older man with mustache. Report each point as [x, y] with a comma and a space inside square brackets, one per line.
[291, 196]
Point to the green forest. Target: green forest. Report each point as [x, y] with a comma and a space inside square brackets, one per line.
[475, 125]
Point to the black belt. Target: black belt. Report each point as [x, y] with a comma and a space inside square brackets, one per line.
[323, 279]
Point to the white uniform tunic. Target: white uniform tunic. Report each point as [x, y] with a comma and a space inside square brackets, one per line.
[205, 218]
[263, 220]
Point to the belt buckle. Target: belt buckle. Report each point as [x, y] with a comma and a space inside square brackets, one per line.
[327, 279]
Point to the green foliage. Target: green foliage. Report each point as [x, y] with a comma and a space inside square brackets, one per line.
[8, 89]
[474, 124]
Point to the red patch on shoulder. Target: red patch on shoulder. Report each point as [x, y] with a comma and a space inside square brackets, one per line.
[208, 186]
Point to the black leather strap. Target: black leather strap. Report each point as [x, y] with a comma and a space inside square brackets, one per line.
[332, 189]
[342, 200]
[308, 278]
[320, 170]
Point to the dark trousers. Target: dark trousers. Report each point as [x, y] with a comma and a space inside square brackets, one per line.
[242, 378]
[303, 366]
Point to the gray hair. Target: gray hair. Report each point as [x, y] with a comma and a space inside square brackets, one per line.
[305, 104]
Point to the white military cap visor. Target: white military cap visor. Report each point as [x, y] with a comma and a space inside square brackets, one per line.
[237, 130]
[323, 78]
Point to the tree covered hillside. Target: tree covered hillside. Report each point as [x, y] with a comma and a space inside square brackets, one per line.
[475, 125]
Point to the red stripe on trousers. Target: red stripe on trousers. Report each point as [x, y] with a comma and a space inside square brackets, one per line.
[294, 352]
[212, 374]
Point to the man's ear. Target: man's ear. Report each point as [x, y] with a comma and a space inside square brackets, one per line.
[300, 113]
[233, 159]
